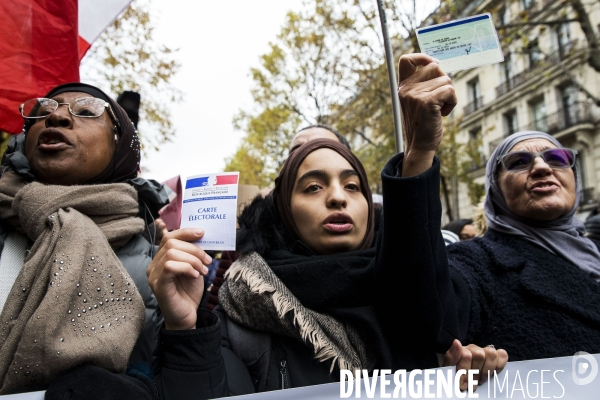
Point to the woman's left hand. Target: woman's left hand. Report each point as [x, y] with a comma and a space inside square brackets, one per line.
[487, 359]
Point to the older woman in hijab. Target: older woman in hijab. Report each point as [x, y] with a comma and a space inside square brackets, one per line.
[530, 284]
[72, 258]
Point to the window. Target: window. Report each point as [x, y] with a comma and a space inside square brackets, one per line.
[535, 54]
[474, 95]
[475, 133]
[538, 112]
[563, 38]
[507, 68]
[510, 122]
[568, 97]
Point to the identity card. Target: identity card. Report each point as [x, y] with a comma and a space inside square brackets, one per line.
[462, 44]
[210, 203]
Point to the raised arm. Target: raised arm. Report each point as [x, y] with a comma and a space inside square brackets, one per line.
[412, 266]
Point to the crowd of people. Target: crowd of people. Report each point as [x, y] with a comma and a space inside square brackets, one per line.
[323, 279]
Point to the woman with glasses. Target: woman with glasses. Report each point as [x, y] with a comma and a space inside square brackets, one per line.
[75, 303]
[531, 284]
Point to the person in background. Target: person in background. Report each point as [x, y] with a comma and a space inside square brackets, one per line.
[450, 237]
[463, 228]
[318, 131]
[75, 306]
[299, 305]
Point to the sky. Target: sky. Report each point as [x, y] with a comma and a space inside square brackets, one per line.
[218, 44]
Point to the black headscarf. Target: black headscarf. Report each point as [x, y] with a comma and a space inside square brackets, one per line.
[284, 185]
[125, 162]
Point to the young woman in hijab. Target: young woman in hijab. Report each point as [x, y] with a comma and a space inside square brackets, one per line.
[74, 300]
[299, 305]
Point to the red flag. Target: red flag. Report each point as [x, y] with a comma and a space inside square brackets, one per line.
[39, 49]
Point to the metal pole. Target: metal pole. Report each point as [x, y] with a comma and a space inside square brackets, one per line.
[391, 67]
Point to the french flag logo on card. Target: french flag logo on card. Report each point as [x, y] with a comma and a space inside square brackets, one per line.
[211, 180]
[210, 203]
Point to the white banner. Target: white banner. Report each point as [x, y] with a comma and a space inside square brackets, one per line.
[552, 378]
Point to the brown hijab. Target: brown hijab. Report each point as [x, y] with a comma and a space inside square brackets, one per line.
[284, 185]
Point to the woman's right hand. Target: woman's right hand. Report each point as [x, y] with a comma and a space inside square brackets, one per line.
[426, 95]
[175, 276]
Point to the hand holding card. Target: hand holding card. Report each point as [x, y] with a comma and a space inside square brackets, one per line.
[462, 44]
[210, 203]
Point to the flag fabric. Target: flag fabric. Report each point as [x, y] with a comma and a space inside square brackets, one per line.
[38, 49]
[94, 17]
[41, 45]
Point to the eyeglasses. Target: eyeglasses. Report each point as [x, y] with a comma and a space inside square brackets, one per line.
[523, 160]
[84, 107]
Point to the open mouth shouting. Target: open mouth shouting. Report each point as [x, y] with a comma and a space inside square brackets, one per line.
[338, 222]
[52, 140]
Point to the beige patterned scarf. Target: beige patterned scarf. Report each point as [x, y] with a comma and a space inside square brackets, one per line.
[252, 295]
[73, 302]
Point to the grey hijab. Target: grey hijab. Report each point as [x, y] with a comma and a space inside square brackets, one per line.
[562, 236]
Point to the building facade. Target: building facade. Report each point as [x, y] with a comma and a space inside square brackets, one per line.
[545, 83]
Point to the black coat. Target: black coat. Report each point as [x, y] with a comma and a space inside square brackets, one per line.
[222, 358]
[525, 299]
[499, 289]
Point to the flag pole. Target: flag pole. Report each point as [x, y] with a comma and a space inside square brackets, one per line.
[389, 58]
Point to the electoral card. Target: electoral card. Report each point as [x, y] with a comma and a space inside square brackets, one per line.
[210, 203]
[462, 44]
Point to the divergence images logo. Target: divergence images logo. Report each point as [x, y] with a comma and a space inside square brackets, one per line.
[584, 368]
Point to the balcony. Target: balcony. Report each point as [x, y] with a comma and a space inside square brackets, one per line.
[564, 118]
[473, 106]
[557, 56]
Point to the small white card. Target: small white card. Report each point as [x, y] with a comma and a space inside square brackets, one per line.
[210, 203]
[462, 44]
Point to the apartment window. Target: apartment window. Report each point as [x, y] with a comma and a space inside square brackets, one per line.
[474, 137]
[535, 54]
[538, 112]
[507, 68]
[475, 133]
[568, 97]
[563, 38]
[474, 95]
[510, 122]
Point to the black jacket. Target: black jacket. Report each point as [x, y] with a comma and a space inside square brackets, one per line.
[222, 358]
[499, 289]
[525, 299]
